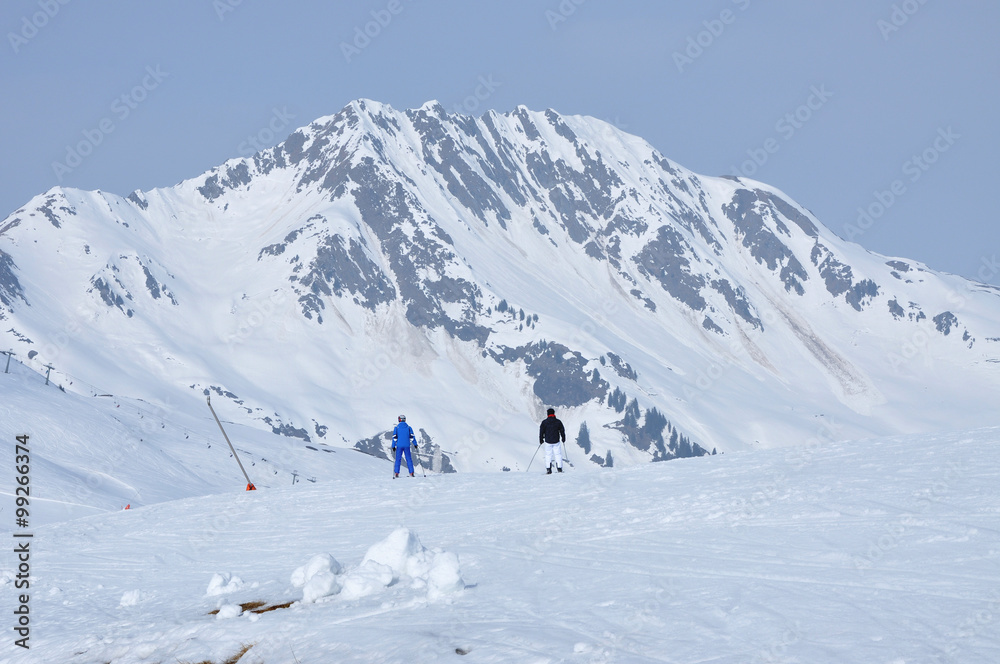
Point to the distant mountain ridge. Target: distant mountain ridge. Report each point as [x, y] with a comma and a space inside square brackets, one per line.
[473, 271]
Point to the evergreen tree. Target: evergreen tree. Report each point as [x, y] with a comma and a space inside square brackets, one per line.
[632, 414]
[617, 400]
[655, 422]
[684, 449]
[583, 438]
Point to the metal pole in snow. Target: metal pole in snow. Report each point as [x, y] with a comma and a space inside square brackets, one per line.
[250, 486]
[533, 457]
[8, 353]
[49, 370]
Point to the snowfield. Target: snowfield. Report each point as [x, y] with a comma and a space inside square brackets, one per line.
[471, 272]
[881, 551]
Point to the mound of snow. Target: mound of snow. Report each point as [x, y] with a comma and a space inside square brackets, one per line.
[370, 577]
[402, 553]
[227, 611]
[399, 558]
[223, 584]
[317, 578]
[130, 598]
[444, 577]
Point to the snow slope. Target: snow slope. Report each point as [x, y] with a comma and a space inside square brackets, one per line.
[881, 551]
[94, 454]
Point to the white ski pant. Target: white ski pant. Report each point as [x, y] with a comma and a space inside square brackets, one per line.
[553, 454]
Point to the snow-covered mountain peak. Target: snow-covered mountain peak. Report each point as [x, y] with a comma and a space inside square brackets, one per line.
[477, 270]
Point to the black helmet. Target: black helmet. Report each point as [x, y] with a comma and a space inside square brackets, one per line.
[552, 411]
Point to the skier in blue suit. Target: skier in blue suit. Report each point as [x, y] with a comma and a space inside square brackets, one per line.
[402, 438]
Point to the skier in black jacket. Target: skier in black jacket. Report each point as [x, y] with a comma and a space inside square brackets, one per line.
[551, 432]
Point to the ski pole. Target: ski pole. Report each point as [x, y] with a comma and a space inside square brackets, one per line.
[416, 456]
[533, 457]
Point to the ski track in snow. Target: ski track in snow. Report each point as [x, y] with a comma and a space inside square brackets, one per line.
[884, 551]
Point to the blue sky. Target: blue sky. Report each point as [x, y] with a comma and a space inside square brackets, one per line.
[883, 106]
